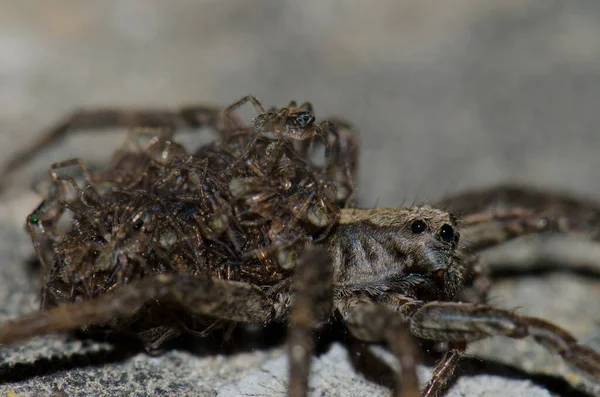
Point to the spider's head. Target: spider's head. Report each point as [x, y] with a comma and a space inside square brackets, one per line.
[397, 251]
[295, 122]
[299, 121]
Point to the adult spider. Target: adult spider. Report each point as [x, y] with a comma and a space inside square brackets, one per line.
[248, 229]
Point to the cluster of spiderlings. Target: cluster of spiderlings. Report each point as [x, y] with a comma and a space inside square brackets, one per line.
[238, 208]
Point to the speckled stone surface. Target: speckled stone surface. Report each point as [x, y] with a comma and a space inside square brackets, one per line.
[446, 95]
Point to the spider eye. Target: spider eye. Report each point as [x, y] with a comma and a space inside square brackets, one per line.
[304, 119]
[138, 225]
[447, 233]
[418, 226]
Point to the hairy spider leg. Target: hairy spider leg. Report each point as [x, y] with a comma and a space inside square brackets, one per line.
[259, 109]
[312, 304]
[466, 322]
[373, 323]
[226, 300]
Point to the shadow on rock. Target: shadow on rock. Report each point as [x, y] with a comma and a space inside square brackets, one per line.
[376, 370]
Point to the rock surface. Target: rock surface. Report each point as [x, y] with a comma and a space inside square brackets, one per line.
[446, 97]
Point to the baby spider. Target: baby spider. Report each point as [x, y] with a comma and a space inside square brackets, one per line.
[291, 122]
[163, 242]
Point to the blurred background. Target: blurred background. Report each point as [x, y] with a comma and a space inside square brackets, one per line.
[446, 95]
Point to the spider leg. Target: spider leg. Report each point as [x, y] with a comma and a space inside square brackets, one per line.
[489, 229]
[306, 106]
[485, 230]
[370, 322]
[329, 127]
[198, 116]
[227, 300]
[69, 163]
[344, 164]
[249, 98]
[312, 304]
[464, 322]
[263, 118]
[95, 119]
[443, 371]
[510, 196]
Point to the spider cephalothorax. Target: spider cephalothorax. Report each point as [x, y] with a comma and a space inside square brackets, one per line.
[255, 228]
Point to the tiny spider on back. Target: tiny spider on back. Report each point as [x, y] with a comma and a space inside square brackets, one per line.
[254, 227]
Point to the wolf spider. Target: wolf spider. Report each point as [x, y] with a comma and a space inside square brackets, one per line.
[249, 229]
